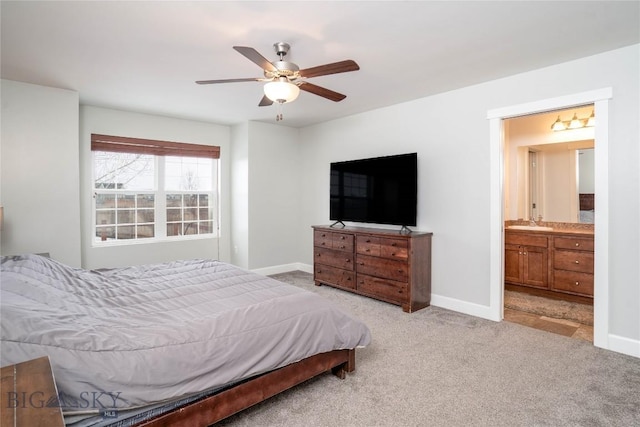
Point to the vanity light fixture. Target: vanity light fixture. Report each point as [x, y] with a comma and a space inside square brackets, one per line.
[574, 123]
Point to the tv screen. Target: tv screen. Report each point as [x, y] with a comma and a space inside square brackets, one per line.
[382, 190]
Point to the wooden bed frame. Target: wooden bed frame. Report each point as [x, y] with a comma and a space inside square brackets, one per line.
[36, 377]
[231, 401]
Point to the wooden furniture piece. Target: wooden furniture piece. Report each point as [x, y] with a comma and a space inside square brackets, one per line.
[383, 264]
[29, 395]
[587, 201]
[246, 394]
[526, 259]
[34, 382]
[555, 262]
[573, 265]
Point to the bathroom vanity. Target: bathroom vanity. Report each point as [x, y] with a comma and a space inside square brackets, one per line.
[552, 260]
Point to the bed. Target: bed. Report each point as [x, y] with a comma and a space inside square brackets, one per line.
[164, 343]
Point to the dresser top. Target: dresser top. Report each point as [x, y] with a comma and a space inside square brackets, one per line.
[387, 232]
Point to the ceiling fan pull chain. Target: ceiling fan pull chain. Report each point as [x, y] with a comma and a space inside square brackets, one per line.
[279, 111]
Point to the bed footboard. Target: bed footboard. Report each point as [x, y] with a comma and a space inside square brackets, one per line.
[246, 394]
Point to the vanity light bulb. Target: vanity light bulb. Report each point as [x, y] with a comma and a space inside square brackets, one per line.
[575, 122]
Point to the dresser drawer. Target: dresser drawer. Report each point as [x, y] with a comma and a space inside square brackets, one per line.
[394, 248]
[343, 260]
[322, 239]
[343, 242]
[334, 276]
[368, 245]
[575, 243]
[573, 261]
[388, 290]
[526, 239]
[333, 240]
[572, 281]
[382, 267]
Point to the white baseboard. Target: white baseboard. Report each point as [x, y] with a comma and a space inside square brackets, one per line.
[464, 307]
[624, 345]
[284, 268]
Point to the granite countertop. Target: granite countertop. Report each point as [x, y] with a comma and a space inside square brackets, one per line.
[556, 227]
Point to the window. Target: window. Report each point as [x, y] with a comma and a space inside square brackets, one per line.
[145, 190]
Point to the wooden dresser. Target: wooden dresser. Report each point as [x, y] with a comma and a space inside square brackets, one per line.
[383, 264]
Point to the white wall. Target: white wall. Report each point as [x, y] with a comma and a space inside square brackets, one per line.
[240, 195]
[136, 125]
[40, 171]
[451, 135]
[266, 185]
[275, 186]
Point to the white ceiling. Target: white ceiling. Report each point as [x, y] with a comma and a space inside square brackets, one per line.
[145, 55]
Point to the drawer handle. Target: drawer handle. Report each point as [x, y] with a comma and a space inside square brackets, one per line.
[317, 254]
[323, 235]
[362, 263]
[368, 241]
[367, 250]
[393, 254]
[524, 253]
[393, 244]
[342, 237]
[400, 270]
[342, 247]
[347, 260]
[577, 262]
[577, 283]
[577, 244]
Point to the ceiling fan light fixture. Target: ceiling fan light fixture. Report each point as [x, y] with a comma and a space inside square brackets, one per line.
[281, 90]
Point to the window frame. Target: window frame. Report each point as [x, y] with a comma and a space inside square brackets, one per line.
[160, 150]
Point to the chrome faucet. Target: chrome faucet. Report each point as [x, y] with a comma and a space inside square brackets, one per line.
[532, 222]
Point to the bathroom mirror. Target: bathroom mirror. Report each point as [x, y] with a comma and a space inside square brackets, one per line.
[549, 175]
[558, 182]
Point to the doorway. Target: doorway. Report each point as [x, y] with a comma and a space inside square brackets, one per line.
[600, 99]
[543, 181]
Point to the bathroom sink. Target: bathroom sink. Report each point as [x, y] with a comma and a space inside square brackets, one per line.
[529, 227]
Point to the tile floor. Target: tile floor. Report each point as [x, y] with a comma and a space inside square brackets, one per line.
[557, 326]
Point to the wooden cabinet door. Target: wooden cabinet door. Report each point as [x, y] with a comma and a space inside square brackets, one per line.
[535, 262]
[513, 271]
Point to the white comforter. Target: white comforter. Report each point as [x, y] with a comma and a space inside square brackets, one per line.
[155, 332]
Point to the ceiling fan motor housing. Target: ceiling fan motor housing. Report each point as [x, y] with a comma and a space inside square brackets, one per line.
[284, 69]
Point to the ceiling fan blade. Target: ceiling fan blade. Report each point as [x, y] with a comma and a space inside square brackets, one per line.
[264, 102]
[323, 92]
[252, 55]
[336, 67]
[208, 82]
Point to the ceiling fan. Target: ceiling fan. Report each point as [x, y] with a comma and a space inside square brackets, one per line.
[285, 79]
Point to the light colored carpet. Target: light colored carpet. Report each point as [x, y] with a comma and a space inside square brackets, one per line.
[436, 367]
[558, 309]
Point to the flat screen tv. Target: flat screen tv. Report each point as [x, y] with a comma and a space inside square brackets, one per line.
[381, 190]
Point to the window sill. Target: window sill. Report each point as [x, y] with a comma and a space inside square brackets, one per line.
[132, 242]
